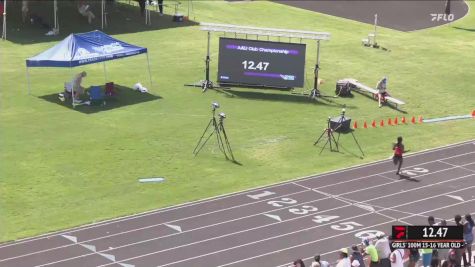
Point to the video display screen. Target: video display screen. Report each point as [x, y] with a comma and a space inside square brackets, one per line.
[261, 63]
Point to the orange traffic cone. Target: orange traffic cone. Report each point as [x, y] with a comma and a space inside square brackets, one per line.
[355, 125]
[382, 123]
[473, 113]
[420, 119]
[373, 124]
[365, 125]
[403, 120]
[390, 122]
[413, 120]
[395, 121]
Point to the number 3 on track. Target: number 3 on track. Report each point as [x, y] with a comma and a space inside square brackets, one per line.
[345, 226]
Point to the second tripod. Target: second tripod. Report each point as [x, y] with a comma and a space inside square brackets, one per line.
[328, 134]
[216, 127]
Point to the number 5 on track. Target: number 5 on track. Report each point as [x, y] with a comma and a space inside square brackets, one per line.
[345, 226]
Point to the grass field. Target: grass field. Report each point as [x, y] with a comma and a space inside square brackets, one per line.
[61, 167]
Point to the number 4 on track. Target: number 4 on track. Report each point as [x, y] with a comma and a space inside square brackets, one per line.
[324, 218]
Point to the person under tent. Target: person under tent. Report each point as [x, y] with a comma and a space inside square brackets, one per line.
[73, 89]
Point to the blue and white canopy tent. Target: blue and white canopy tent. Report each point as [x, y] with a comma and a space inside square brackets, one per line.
[85, 48]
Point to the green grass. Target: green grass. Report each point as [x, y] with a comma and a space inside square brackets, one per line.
[61, 168]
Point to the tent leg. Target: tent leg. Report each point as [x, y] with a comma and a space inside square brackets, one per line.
[149, 72]
[105, 71]
[4, 30]
[102, 14]
[28, 80]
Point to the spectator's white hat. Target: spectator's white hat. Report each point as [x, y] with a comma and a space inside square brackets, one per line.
[344, 250]
[380, 235]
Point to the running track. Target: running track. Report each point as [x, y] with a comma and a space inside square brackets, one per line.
[269, 226]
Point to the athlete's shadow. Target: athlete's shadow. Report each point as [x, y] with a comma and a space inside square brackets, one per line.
[405, 177]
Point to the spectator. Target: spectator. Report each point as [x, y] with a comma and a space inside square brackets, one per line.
[160, 7]
[84, 9]
[426, 257]
[356, 256]
[74, 86]
[319, 263]
[460, 252]
[382, 93]
[298, 263]
[343, 260]
[142, 7]
[414, 257]
[431, 221]
[397, 258]
[372, 252]
[468, 238]
[383, 249]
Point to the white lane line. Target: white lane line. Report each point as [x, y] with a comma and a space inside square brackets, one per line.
[444, 207]
[460, 166]
[300, 245]
[196, 242]
[158, 224]
[258, 256]
[208, 226]
[459, 198]
[251, 243]
[90, 248]
[263, 226]
[329, 196]
[403, 180]
[383, 209]
[227, 195]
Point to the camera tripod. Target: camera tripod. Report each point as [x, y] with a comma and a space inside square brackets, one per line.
[217, 128]
[328, 134]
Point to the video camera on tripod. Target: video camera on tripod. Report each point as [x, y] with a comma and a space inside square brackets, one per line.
[217, 128]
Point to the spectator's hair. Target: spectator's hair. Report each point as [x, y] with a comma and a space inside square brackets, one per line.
[345, 255]
[317, 258]
[354, 248]
[469, 219]
[431, 219]
[457, 219]
[300, 262]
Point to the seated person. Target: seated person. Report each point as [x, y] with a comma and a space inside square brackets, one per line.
[84, 10]
[382, 93]
[74, 86]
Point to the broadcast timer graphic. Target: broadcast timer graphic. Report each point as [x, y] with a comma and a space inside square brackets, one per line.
[261, 63]
[442, 237]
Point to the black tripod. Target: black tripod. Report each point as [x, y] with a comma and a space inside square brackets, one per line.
[206, 83]
[340, 122]
[218, 129]
[328, 134]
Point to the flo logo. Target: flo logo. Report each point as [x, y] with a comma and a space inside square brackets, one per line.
[442, 17]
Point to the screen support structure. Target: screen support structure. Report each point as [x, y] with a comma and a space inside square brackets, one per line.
[206, 83]
[315, 92]
[238, 29]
